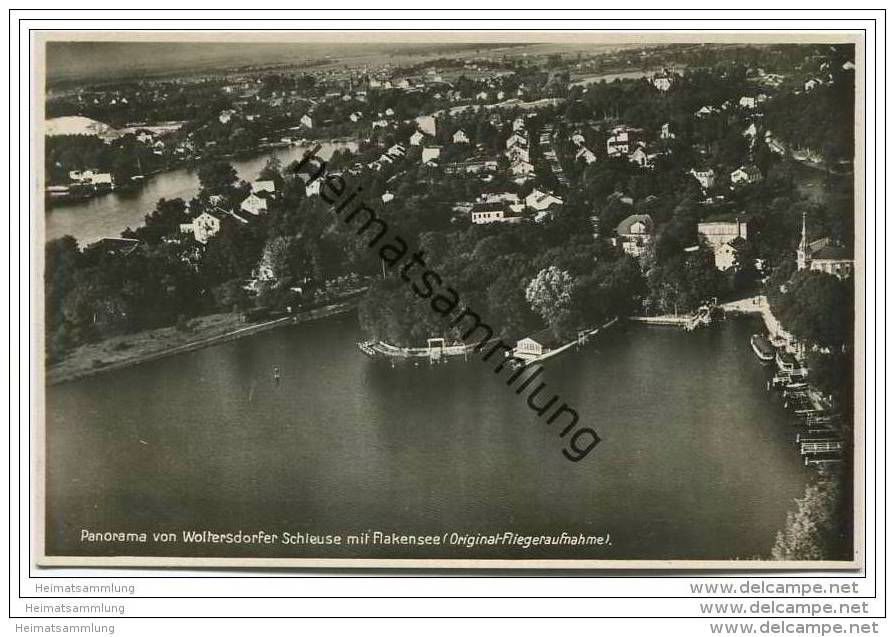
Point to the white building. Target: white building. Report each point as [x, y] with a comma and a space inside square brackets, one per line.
[307, 121]
[719, 231]
[726, 255]
[538, 200]
[426, 123]
[460, 137]
[585, 155]
[484, 213]
[417, 138]
[662, 82]
[253, 204]
[521, 167]
[706, 178]
[745, 175]
[205, 226]
[516, 140]
[430, 153]
[641, 158]
[618, 144]
[518, 153]
[635, 234]
[261, 186]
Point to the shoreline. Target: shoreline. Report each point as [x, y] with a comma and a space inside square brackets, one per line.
[83, 364]
[191, 163]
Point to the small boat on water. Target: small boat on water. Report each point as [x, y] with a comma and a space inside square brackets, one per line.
[763, 348]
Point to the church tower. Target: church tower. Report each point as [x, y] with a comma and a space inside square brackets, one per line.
[803, 254]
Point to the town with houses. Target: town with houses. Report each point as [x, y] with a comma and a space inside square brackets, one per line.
[557, 192]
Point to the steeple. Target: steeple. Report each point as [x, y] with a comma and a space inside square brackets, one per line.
[803, 254]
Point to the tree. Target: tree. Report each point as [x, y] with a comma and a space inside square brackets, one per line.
[811, 531]
[550, 294]
[164, 220]
[817, 308]
[217, 178]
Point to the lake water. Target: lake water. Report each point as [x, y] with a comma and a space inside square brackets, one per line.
[697, 460]
[108, 215]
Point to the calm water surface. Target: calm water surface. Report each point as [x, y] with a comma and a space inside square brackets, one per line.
[697, 460]
[108, 215]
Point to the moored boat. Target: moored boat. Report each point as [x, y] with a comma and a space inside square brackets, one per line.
[788, 363]
[763, 347]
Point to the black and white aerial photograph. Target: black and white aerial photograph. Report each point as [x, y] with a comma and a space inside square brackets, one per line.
[475, 300]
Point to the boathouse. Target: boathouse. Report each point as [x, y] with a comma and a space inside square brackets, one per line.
[537, 344]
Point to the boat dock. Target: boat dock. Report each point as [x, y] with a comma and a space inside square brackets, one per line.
[436, 351]
[821, 440]
[700, 318]
[583, 337]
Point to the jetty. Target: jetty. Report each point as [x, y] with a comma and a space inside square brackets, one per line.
[436, 351]
[702, 317]
[583, 337]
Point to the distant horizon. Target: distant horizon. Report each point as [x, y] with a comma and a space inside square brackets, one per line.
[70, 61]
[73, 61]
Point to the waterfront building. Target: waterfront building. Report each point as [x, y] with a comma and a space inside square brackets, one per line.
[537, 344]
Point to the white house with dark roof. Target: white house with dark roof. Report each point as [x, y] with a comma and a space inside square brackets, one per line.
[635, 234]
